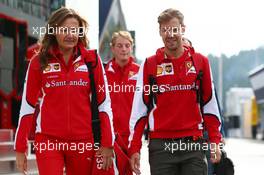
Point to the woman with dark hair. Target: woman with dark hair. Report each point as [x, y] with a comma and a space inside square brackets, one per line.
[58, 80]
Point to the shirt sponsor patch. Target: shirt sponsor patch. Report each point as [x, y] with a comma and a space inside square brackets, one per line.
[165, 69]
[132, 75]
[55, 83]
[168, 68]
[80, 68]
[159, 70]
[52, 67]
[189, 67]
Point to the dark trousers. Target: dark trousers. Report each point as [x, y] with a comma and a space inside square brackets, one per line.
[176, 157]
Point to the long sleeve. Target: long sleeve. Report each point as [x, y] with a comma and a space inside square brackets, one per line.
[104, 106]
[212, 118]
[138, 118]
[30, 96]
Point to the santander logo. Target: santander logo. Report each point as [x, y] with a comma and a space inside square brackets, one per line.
[54, 83]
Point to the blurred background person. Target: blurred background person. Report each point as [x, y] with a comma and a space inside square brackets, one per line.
[121, 72]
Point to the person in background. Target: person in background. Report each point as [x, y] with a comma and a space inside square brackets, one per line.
[121, 72]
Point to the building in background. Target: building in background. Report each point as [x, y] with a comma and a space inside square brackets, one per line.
[236, 114]
[18, 19]
[34, 12]
[111, 19]
[256, 78]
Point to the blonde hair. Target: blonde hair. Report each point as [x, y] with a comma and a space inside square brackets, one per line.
[124, 34]
[170, 13]
[49, 40]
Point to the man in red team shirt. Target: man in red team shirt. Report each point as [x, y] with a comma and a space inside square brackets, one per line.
[177, 106]
[121, 72]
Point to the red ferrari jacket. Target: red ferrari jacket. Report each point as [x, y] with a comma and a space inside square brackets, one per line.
[63, 93]
[176, 113]
[122, 82]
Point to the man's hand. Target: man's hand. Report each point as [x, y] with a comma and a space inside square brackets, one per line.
[21, 162]
[135, 163]
[107, 154]
[215, 153]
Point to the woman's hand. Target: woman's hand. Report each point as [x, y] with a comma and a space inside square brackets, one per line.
[21, 162]
[107, 154]
[135, 163]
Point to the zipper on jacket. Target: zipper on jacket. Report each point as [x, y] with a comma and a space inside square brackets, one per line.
[68, 103]
[67, 69]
